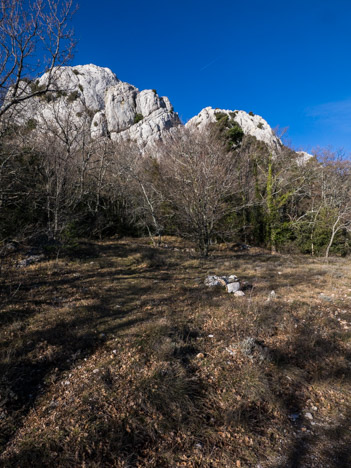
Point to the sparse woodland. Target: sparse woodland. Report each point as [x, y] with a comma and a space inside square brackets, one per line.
[59, 183]
[113, 352]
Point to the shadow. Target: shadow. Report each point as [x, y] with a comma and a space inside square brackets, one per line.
[169, 397]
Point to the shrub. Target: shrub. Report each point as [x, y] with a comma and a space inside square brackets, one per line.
[31, 124]
[73, 96]
[229, 129]
[81, 87]
[138, 118]
[260, 125]
[154, 90]
[76, 72]
[36, 87]
[252, 114]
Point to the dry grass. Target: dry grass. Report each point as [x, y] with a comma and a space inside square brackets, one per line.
[121, 357]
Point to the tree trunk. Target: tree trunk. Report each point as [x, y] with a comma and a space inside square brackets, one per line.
[334, 231]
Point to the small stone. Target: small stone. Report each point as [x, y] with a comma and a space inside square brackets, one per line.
[210, 336]
[95, 371]
[232, 279]
[114, 351]
[200, 356]
[239, 293]
[233, 287]
[272, 295]
[309, 416]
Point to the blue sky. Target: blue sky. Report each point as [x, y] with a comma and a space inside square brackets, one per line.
[289, 62]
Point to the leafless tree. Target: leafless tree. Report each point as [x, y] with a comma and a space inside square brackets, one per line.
[34, 38]
[202, 179]
[335, 184]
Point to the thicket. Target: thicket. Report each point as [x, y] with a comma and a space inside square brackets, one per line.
[210, 187]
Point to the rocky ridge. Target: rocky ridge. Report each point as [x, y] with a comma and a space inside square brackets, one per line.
[92, 97]
[250, 123]
[88, 95]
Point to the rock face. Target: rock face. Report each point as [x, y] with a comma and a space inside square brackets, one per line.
[94, 96]
[253, 125]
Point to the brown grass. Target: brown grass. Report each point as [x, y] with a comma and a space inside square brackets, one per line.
[106, 359]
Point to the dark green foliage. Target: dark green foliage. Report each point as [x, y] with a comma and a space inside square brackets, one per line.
[76, 72]
[74, 95]
[229, 130]
[81, 87]
[138, 118]
[31, 124]
[36, 87]
[260, 125]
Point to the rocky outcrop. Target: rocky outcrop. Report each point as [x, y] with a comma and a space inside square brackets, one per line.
[251, 124]
[94, 96]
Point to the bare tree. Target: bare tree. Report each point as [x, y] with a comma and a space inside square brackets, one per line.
[335, 183]
[34, 38]
[201, 179]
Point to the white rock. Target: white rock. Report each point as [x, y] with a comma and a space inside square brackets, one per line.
[239, 293]
[232, 278]
[93, 97]
[233, 287]
[120, 108]
[251, 125]
[303, 157]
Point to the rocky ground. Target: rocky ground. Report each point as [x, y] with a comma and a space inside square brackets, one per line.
[119, 355]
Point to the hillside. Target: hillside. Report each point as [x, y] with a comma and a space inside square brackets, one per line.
[119, 355]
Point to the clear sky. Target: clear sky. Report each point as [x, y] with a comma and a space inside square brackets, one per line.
[288, 61]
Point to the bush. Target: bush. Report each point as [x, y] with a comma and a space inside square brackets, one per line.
[31, 124]
[73, 96]
[36, 87]
[138, 118]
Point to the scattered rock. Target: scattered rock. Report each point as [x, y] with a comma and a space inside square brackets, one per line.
[214, 280]
[308, 416]
[231, 283]
[254, 349]
[200, 356]
[325, 298]
[30, 260]
[95, 371]
[239, 293]
[233, 287]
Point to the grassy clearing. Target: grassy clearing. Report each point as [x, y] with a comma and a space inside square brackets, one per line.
[121, 357]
